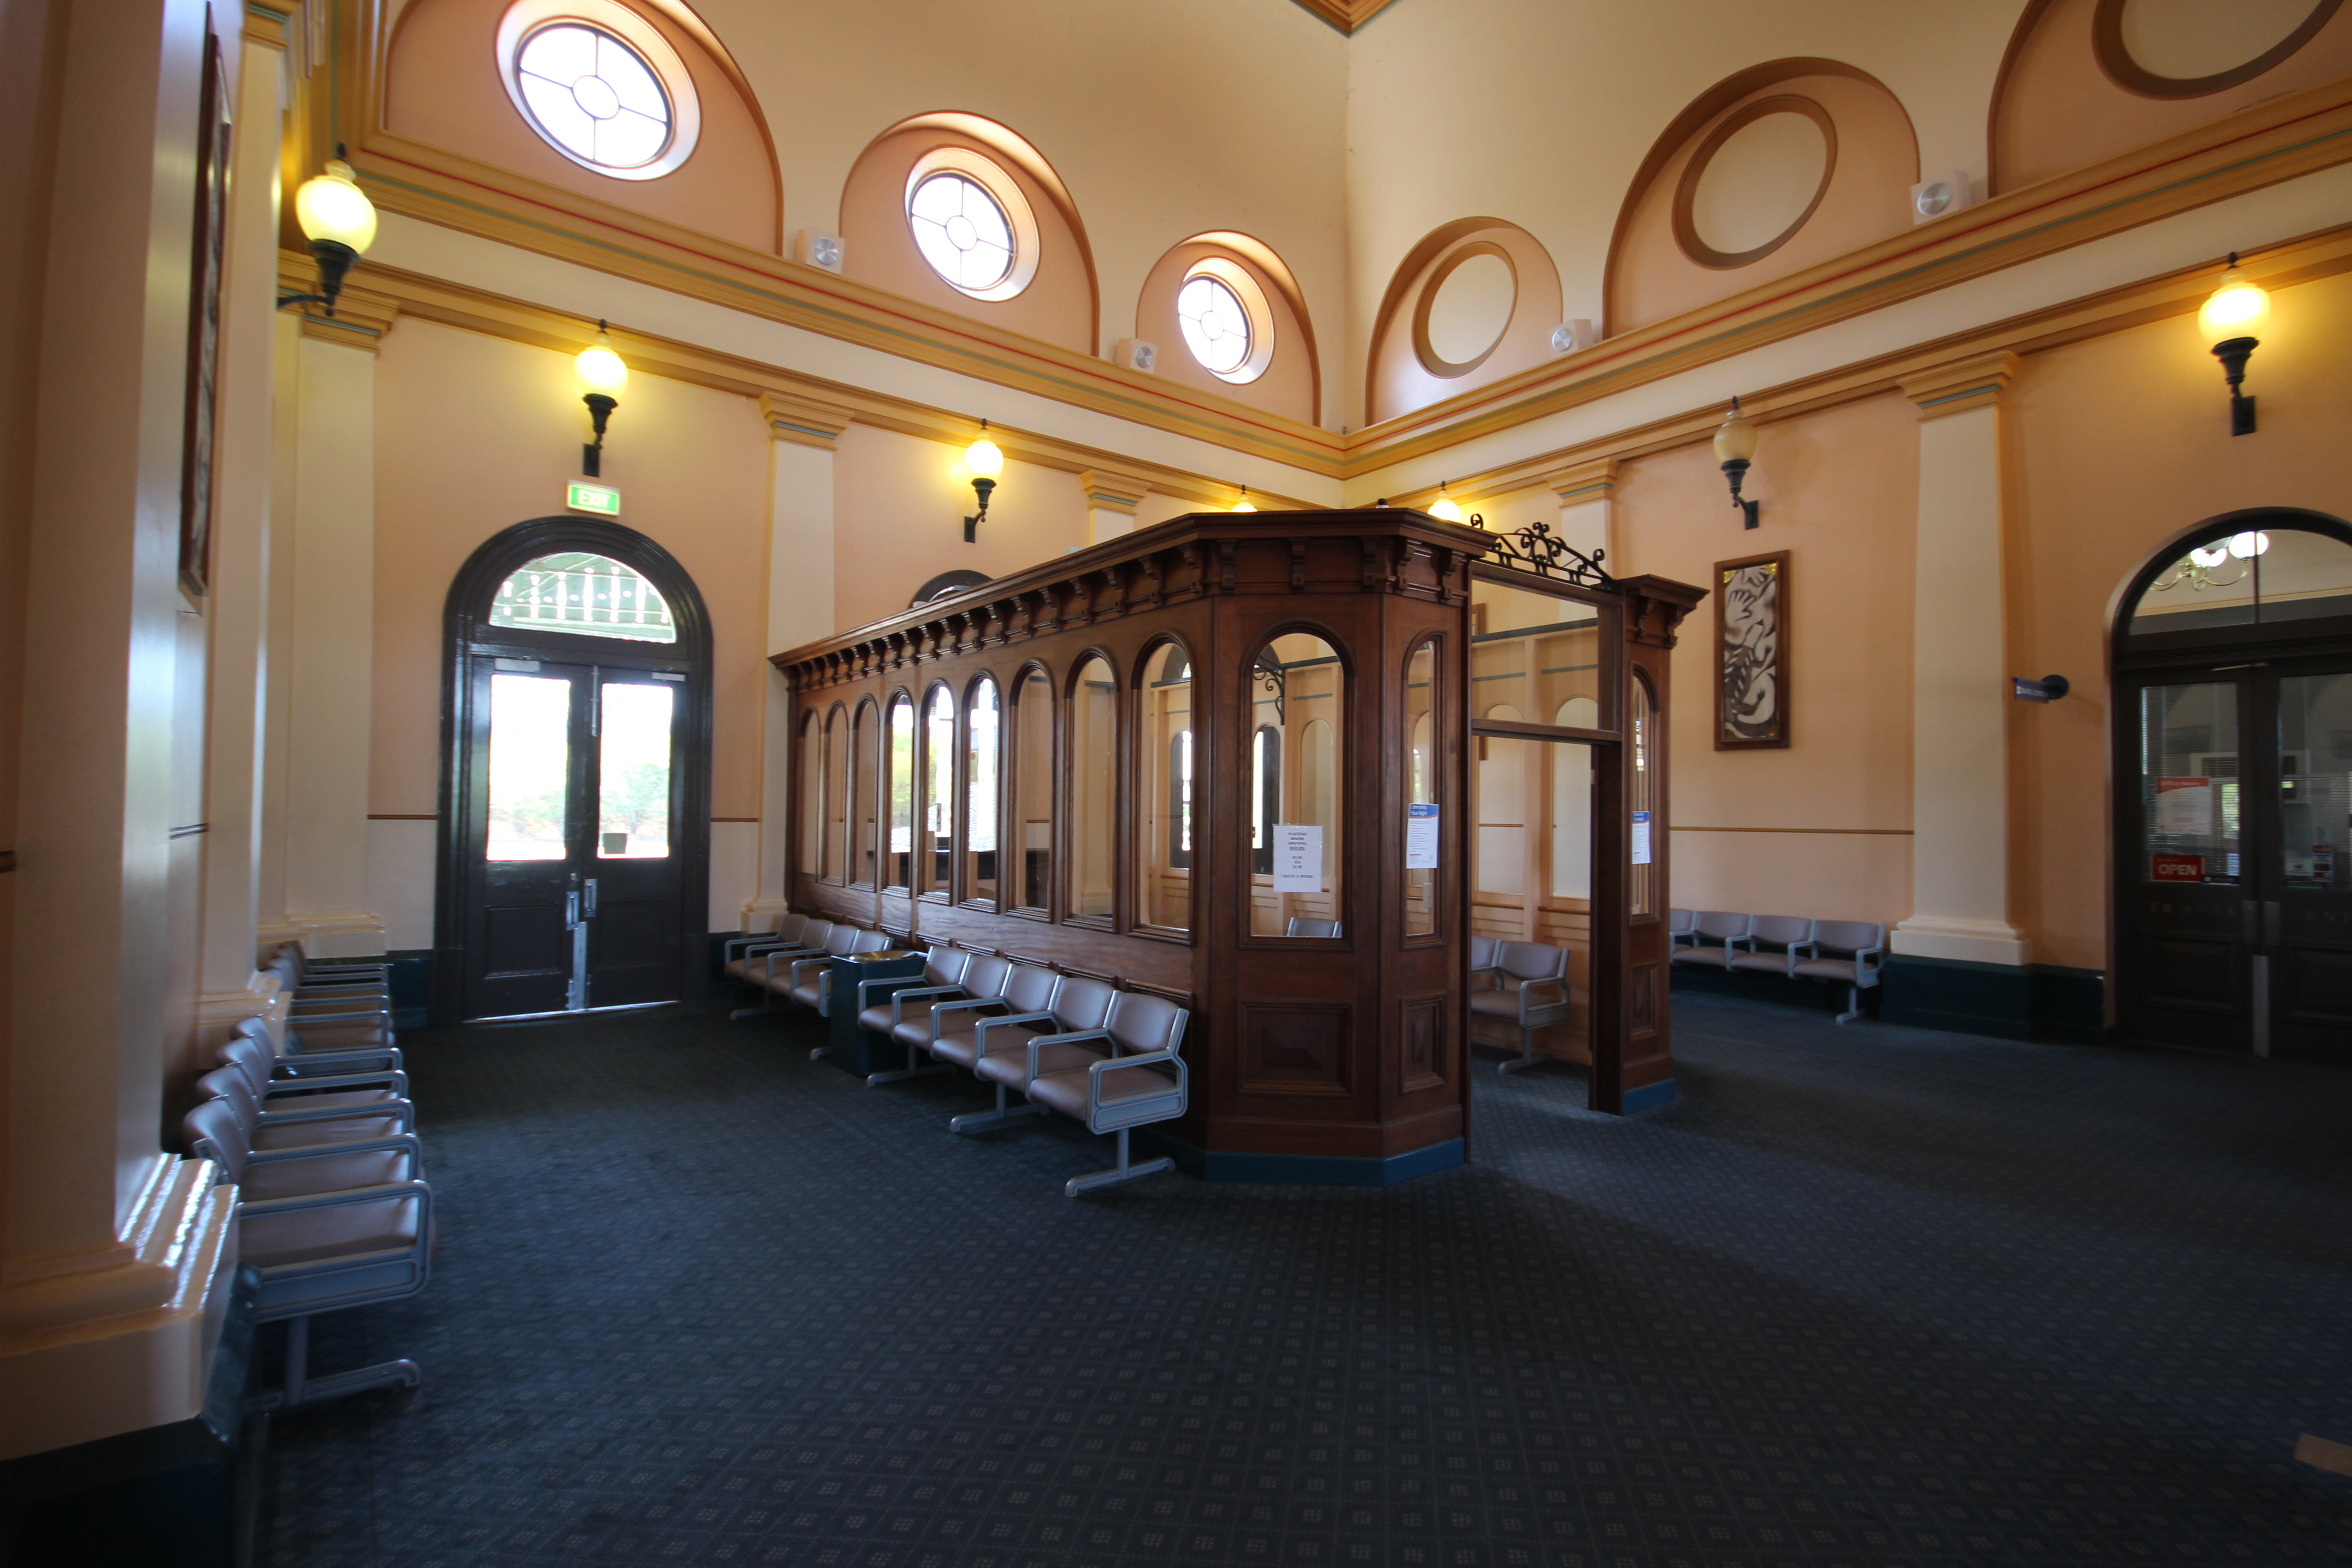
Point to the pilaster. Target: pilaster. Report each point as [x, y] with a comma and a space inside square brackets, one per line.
[800, 607]
[1960, 867]
[1587, 494]
[1112, 497]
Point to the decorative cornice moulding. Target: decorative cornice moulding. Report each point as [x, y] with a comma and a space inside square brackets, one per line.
[1346, 14]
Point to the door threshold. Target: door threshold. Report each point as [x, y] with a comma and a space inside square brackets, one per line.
[569, 1013]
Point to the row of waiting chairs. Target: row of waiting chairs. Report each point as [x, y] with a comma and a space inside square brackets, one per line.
[311, 1121]
[1107, 1057]
[1845, 952]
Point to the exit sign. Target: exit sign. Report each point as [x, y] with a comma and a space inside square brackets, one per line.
[602, 500]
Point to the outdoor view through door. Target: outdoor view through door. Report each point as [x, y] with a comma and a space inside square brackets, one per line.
[577, 861]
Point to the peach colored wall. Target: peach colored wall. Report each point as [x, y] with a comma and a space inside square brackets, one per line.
[900, 501]
[1058, 305]
[443, 88]
[473, 434]
[1287, 387]
[1868, 198]
[1840, 491]
[2058, 110]
[2118, 443]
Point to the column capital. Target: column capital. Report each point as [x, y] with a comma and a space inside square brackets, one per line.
[1958, 386]
[1579, 482]
[802, 420]
[363, 318]
[1107, 489]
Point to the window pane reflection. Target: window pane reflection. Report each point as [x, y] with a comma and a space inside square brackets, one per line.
[531, 759]
[1163, 816]
[633, 771]
[938, 790]
[1033, 777]
[1295, 716]
[1420, 789]
[1094, 765]
[981, 798]
[864, 852]
[1534, 651]
[902, 790]
[2189, 782]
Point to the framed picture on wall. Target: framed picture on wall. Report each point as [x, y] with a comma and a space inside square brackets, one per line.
[203, 327]
[1751, 640]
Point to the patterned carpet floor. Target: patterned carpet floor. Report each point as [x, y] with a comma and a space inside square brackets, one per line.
[1863, 1296]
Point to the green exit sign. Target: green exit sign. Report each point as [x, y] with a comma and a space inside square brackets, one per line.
[602, 500]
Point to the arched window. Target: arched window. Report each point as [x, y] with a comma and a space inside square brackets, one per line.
[971, 224]
[600, 85]
[983, 765]
[1032, 790]
[836, 796]
[1163, 811]
[901, 787]
[1298, 702]
[1425, 820]
[866, 798]
[938, 847]
[590, 596]
[1093, 765]
[811, 794]
[2271, 577]
[1266, 796]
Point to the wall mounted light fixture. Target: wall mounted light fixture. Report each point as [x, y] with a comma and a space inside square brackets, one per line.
[985, 461]
[1443, 506]
[2233, 321]
[1244, 504]
[602, 378]
[1734, 449]
[339, 221]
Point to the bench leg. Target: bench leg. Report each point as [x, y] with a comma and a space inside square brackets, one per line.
[766, 995]
[301, 1389]
[1122, 1172]
[874, 1080]
[976, 1121]
[1527, 1057]
[1852, 1005]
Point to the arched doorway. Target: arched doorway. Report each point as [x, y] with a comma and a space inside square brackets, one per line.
[576, 776]
[2232, 681]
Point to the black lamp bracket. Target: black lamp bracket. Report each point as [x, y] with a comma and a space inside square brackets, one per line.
[335, 258]
[1735, 471]
[591, 452]
[979, 488]
[2234, 353]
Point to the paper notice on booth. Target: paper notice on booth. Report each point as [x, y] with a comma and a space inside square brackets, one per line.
[1297, 858]
[2185, 807]
[1641, 839]
[1420, 837]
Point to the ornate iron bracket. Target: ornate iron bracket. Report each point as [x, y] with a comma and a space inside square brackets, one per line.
[1268, 675]
[1536, 548]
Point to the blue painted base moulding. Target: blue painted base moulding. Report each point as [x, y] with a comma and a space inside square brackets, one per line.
[412, 987]
[1650, 1096]
[2010, 1002]
[1298, 1170]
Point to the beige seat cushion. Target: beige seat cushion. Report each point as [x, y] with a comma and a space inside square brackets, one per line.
[1007, 1061]
[315, 1236]
[332, 1173]
[1067, 1091]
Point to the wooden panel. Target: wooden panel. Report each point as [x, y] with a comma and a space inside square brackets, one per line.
[1296, 1050]
[1423, 1036]
[2184, 971]
[2319, 986]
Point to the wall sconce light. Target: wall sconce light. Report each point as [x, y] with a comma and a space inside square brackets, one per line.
[985, 461]
[2233, 321]
[1244, 504]
[1443, 506]
[1734, 449]
[602, 378]
[339, 221]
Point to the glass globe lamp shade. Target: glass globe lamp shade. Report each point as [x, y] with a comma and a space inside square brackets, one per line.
[2246, 546]
[600, 371]
[984, 458]
[332, 208]
[1736, 442]
[2238, 309]
[1444, 508]
[1244, 504]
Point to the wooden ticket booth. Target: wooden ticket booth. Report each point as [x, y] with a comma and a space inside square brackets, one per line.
[1230, 759]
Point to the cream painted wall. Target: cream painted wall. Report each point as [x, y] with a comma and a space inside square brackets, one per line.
[900, 501]
[1540, 112]
[1164, 121]
[2119, 443]
[1840, 491]
[476, 434]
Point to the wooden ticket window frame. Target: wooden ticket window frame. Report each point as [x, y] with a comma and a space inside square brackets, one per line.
[1353, 1049]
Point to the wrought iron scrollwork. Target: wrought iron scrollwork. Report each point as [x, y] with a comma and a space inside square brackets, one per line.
[1536, 548]
[1268, 677]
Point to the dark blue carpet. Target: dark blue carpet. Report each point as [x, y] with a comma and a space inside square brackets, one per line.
[1863, 1296]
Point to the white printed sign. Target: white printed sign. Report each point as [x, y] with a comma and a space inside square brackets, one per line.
[1641, 839]
[1297, 858]
[2184, 806]
[1420, 837]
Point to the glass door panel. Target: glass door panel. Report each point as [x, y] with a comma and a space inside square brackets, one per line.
[629, 899]
[633, 767]
[531, 767]
[2188, 783]
[2307, 895]
[2185, 957]
[1531, 886]
[528, 768]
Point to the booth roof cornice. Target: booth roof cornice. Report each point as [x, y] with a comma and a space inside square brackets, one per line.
[1214, 536]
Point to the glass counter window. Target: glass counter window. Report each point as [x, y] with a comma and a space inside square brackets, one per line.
[1164, 815]
[1094, 766]
[2189, 782]
[836, 794]
[1297, 713]
[812, 762]
[938, 850]
[1033, 786]
[1424, 816]
[866, 798]
[1537, 652]
[2314, 789]
[982, 764]
[901, 788]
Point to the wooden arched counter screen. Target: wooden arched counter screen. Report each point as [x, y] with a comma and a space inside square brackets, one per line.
[1340, 1057]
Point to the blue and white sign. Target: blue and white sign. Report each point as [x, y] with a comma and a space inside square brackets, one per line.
[1641, 839]
[1420, 837]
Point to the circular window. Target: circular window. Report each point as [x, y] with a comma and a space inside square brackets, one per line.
[2187, 49]
[970, 223]
[1227, 325]
[1465, 306]
[1754, 180]
[961, 232]
[598, 85]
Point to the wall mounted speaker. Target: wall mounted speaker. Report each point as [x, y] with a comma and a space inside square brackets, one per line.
[1136, 355]
[814, 249]
[1947, 193]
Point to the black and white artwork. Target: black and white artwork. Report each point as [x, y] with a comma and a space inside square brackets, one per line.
[1752, 634]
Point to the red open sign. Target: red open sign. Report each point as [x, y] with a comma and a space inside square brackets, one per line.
[2176, 868]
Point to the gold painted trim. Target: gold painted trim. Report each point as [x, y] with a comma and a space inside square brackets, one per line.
[1955, 386]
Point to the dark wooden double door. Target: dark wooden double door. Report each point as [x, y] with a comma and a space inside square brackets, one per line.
[2233, 857]
[574, 865]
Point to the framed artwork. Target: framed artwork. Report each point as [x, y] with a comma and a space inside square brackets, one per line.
[204, 328]
[1751, 640]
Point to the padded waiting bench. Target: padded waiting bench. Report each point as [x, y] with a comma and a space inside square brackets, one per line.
[1847, 952]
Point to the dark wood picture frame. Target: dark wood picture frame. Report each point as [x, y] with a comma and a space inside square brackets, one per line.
[1751, 652]
[210, 244]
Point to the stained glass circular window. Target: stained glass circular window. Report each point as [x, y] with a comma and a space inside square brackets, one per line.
[594, 96]
[961, 231]
[1216, 326]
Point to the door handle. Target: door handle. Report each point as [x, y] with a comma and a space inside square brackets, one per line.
[571, 910]
[590, 912]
